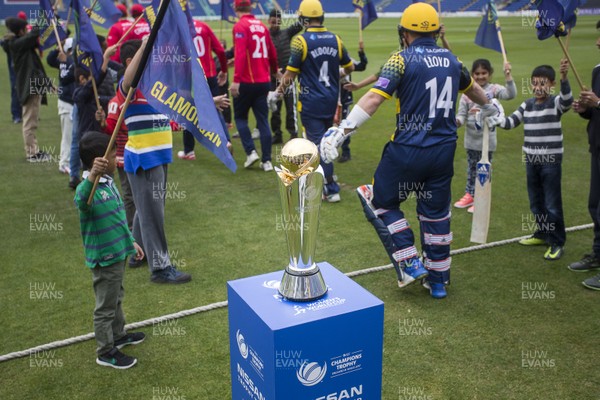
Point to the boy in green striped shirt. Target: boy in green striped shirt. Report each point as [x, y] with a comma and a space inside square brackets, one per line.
[107, 242]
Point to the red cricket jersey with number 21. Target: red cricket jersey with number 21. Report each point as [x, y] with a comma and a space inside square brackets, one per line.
[255, 54]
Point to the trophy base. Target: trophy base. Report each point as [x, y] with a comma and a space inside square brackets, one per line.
[302, 287]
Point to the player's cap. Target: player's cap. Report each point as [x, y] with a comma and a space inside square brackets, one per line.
[22, 15]
[15, 25]
[310, 9]
[241, 3]
[123, 9]
[137, 10]
[68, 44]
[420, 17]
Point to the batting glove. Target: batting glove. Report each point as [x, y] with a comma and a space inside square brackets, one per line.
[332, 139]
[272, 100]
[492, 111]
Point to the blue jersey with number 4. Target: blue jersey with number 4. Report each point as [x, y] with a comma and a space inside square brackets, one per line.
[426, 80]
[316, 56]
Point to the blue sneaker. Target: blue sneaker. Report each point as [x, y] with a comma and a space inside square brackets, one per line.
[412, 270]
[437, 290]
[170, 275]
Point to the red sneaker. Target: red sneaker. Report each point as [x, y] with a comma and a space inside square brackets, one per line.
[465, 201]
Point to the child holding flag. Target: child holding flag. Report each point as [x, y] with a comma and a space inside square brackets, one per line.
[107, 242]
[467, 109]
[543, 150]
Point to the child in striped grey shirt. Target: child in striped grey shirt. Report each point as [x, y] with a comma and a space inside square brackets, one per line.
[543, 149]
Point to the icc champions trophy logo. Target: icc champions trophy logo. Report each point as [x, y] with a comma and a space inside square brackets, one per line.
[241, 342]
[309, 374]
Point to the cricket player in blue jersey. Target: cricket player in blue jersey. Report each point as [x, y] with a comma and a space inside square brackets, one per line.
[418, 160]
[316, 58]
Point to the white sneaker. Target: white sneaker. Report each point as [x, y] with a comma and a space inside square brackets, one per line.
[186, 156]
[251, 159]
[333, 198]
[64, 170]
[267, 166]
[255, 133]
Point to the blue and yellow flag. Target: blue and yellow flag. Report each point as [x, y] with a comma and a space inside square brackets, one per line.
[367, 10]
[227, 12]
[47, 36]
[174, 84]
[105, 13]
[88, 54]
[571, 8]
[550, 19]
[487, 34]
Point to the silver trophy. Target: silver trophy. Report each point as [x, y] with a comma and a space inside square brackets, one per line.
[301, 188]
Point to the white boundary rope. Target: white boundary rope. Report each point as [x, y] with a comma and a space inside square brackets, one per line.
[221, 304]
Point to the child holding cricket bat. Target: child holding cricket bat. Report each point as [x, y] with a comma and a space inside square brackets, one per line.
[467, 109]
[543, 150]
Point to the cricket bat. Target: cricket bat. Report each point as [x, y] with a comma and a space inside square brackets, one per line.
[483, 192]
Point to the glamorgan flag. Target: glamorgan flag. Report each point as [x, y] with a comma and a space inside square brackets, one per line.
[227, 12]
[368, 12]
[571, 8]
[47, 36]
[487, 34]
[105, 13]
[550, 19]
[88, 54]
[174, 83]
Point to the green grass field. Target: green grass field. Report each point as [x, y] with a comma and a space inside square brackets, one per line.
[514, 326]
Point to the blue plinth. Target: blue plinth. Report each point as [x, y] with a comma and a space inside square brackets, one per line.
[327, 349]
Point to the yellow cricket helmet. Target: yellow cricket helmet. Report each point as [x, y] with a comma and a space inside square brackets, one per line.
[420, 17]
[310, 9]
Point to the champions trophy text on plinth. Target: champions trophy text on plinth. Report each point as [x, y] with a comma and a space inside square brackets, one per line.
[301, 189]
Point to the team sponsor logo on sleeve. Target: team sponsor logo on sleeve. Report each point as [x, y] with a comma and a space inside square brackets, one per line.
[239, 35]
[382, 82]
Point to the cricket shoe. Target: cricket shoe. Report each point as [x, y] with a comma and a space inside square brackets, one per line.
[255, 134]
[116, 359]
[412, 269]
[186, 156]
[532, 241]
[465, 201]
[251, 159]
[437, 290]
[588, 263]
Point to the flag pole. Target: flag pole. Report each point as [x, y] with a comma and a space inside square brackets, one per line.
[129, 30]
[136, 80]
[89, 10]
[55, 29]
[501, 43]
[564, 49]
[95, 88]
[68, 17]
[360, 29]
